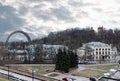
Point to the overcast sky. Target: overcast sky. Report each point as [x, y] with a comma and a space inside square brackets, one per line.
[39, 17]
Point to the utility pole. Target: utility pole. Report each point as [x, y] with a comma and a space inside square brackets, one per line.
[32, 71]
[8, 64]
[8, 71]
[32, 74]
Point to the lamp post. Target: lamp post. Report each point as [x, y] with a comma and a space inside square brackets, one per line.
[8, 64]
[8, 71]
[119, 64]
[32, 71]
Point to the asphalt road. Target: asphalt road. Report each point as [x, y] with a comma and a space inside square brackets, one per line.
[17, 76]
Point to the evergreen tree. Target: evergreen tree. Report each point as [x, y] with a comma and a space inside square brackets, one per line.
[73, 59]
[62, 61]
[58, 60]
[76, 59]
[66, 60]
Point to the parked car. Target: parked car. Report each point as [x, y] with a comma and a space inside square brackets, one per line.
[92, 79]
[69, 79]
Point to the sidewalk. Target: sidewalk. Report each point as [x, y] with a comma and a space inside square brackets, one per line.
[69, 75]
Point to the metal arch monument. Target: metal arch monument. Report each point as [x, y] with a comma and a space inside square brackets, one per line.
[22, 32]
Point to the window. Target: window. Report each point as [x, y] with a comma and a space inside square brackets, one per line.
[106, 53]
[105, 49]
[108, 50]
[103, 53]
[96, 57]
[100, 53]
[96, 53]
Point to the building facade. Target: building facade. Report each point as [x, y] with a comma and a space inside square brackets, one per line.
[98, 50]
[50, 51]
[45, 51]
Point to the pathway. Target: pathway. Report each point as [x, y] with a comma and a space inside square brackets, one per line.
[69, 75]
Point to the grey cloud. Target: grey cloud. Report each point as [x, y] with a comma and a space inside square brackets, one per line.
[117, 1]
[62, 13]
[39, 12]
[98, 9]
[110, 22]
[59, 13]
[78, 3]
[113, 21]
[117, 14]
[40, 5]
[43, 31]
[113, 13]
[82, 14]
[43, 0]
[40, 28]
[43, 15]
[8, 19]
[51, 0]
[23, 10]
[3, 37]
[39, 35]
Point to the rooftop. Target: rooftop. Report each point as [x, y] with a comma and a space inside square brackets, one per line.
[97, 44]
[54, 46]
[111, 77]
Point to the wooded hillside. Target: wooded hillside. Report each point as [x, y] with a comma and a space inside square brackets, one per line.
[74, 38]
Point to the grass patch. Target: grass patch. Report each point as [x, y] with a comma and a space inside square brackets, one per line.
[39, 69]
[53, 75]
[90, 73]
[96, 70]
[45, 69]
[103, 67]
[3, 79]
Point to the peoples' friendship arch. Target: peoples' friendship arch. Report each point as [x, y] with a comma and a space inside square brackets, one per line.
[22, 32]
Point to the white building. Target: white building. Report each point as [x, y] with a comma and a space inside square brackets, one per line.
[20, 55]
[99, 51]
[45, 51]
[53, 48]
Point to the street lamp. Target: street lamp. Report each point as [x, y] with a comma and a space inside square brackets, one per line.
[119, 64]
[8, 64]
[33, 72]
[8, 71]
